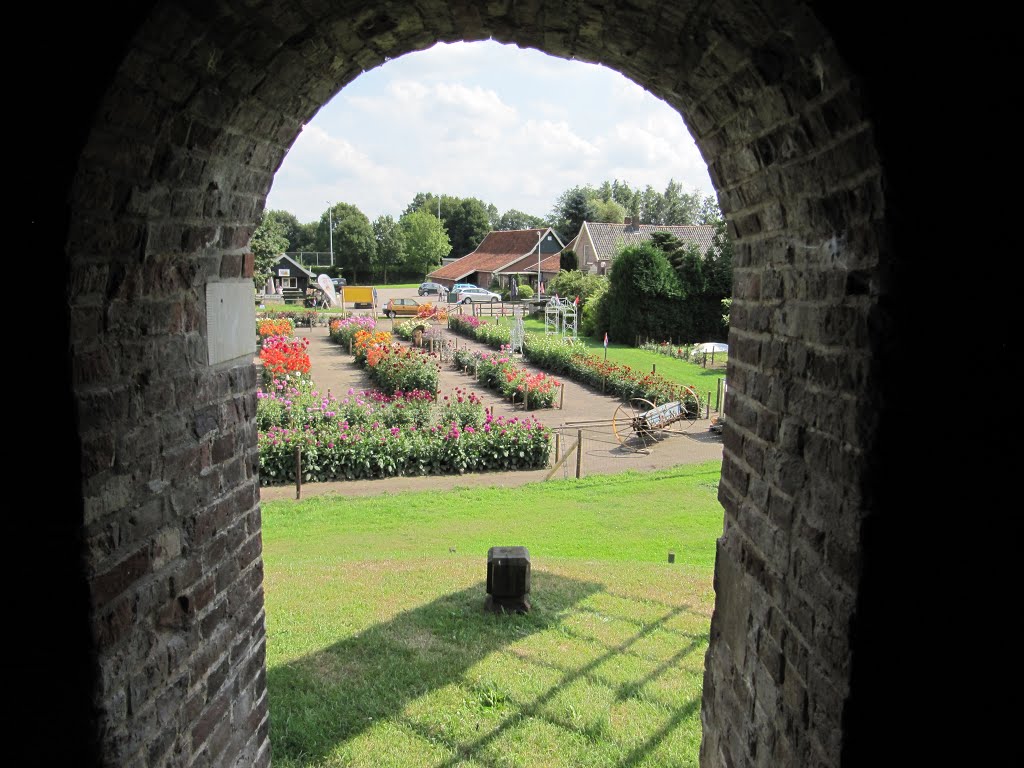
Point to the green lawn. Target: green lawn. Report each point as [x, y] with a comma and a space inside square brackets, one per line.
[678, 371]
[379, 652]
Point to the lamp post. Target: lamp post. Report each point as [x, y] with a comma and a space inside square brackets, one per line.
[330, 229]
[540, 239]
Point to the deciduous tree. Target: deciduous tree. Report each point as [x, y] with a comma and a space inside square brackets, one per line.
[389, 252]
[425, 242]
[267, 243]
[352, 239]
[513, 219]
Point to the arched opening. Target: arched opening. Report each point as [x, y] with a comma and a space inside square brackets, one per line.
[185, 113]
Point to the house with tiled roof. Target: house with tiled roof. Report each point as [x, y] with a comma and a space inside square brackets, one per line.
[506, 255]
[597, 243]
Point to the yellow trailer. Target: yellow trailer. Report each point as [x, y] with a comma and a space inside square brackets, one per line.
[360, 296]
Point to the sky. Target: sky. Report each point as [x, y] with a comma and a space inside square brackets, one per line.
[510, 126]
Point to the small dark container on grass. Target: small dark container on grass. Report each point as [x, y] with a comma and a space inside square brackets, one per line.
[508, 580]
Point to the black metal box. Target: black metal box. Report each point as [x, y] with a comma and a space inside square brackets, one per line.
[508, 571]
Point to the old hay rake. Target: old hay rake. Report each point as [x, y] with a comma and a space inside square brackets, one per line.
[638, 424]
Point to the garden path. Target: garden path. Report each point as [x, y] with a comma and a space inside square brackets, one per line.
[334, 369]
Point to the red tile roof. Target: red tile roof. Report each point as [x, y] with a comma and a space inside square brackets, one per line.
[550, 263]
[495, 252]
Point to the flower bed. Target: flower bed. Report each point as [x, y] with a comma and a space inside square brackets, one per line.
[499, 371]
[555, 355]
[268, 327]
[394, 367]
[284, 358]
[367, 434]
[344, 452]
[401, 429]
[296, 405]
[343, 331]
[303, 317]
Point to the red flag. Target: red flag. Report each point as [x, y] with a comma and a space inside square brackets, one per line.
[606, 339]
[576, 301]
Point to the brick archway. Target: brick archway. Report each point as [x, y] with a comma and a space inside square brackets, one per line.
[189, 112]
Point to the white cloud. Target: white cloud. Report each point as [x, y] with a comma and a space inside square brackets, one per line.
[512, 127]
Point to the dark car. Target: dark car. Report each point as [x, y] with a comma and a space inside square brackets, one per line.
[429, 288]
[338, 282]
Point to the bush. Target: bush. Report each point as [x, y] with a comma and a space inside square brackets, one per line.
[594, 318]
[574, 283]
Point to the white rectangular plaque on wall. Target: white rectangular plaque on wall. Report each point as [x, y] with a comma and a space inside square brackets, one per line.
[230, 320]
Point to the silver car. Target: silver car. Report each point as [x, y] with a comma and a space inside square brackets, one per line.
[471, 295]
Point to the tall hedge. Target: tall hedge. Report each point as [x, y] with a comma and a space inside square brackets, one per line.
[644, 297]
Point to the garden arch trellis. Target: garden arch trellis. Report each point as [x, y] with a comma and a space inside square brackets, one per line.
[184, 112]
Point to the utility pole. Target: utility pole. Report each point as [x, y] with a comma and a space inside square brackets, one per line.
[330, 229]
[540, 238]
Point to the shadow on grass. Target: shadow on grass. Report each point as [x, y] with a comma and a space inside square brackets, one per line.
[329, 697]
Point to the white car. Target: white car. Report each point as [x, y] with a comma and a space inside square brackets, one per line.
[471, 295]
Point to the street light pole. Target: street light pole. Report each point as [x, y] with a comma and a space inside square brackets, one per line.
[330, 229]
[540, 238]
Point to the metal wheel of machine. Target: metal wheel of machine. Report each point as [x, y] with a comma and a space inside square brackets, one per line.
[630, 428]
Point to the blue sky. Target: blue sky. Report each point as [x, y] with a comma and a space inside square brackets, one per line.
[510, 126]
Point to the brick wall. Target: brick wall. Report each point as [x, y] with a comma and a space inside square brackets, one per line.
[175, 168]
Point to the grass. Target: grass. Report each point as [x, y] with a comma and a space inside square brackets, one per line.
[678, 371]
[379, 652]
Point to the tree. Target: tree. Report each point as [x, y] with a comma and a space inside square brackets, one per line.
[467, 223]
[267, 243]
[573, 207]
[389, 252]
[609, 212]
[466, 220]
[295, 233]
[613, 201]
[709, 212]
[513, 219]
[571, 283]
[705, 280]
[567, 260]
[644, 296]
[353, 239]
[425, 242]
[492, 216]
[651, 205]
[679, 207]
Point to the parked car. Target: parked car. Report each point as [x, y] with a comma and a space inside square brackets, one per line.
[474, 294]
[338, 282]
[429, 288]
[461, 287]
[407, 307]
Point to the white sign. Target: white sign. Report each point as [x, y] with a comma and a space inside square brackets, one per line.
[284, 273]
[230, 319]
[328, 287]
